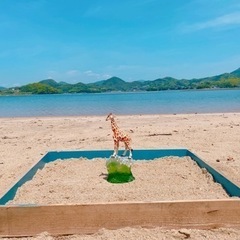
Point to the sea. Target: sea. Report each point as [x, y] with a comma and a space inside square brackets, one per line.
[87, 104]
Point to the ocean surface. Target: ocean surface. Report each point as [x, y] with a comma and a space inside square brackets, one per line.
[163, 102]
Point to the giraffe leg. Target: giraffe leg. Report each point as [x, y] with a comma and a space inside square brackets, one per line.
[130, 154]
[128, 148]
[116, 146]
[124, 153]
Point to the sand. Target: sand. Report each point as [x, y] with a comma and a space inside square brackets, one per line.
[213, 137]
[84, 181]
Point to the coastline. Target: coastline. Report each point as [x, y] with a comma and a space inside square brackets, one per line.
[213, 137]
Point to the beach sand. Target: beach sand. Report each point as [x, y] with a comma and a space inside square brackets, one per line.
[166, 179]
[213, 137]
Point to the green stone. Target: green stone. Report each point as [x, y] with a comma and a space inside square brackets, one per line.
[118, 171]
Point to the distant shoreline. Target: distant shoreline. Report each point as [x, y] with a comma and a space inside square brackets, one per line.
[120, 92]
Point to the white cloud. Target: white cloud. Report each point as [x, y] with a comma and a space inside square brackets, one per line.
[52, 74]
[106, 76]
[90, 73]
[72, 72]
[226, 20]
[74, 76]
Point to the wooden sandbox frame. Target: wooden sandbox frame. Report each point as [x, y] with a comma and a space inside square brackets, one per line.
[29, 220]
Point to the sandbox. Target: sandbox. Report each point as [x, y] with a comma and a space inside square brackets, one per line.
[60, 200]
[78, 181]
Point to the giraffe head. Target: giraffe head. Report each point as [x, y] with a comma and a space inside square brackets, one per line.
[110, 117]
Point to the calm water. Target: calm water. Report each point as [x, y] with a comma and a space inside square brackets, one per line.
[121, 103]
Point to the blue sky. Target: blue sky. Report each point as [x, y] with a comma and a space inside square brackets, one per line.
[90, 40]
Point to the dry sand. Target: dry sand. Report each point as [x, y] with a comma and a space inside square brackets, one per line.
[84, 181]
[213, 137]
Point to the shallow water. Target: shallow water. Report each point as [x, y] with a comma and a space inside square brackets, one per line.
[163, 102]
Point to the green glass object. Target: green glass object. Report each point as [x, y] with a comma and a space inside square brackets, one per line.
[119, 170]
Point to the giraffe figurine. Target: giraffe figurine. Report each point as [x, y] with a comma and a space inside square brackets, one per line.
[119, 136]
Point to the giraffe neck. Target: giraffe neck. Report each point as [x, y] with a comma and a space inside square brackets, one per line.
[114, 125]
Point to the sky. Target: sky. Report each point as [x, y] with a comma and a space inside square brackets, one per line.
[91, 40]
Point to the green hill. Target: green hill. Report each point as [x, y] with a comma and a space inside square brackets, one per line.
[236, 73]
[38, 88]
[112, 84]
[50, 86]
[50, 82]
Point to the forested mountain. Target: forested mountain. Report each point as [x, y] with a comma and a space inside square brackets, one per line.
[50, 86]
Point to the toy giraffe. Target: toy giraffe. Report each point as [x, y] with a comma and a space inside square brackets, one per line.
[118, 136]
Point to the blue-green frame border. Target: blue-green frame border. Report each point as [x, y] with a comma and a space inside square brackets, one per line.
[140, 154]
